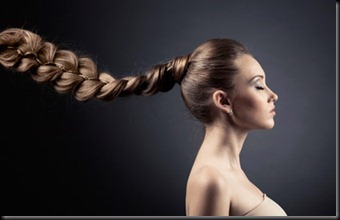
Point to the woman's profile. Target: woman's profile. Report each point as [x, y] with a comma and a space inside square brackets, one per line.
[222, 85]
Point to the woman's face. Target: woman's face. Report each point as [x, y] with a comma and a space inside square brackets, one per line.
[252, 101]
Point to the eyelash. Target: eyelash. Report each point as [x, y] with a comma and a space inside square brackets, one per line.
[259, 87]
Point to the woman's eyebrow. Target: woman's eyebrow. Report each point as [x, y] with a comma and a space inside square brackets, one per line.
[254, 77]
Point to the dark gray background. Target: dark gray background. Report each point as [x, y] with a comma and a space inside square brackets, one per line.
[132, 156]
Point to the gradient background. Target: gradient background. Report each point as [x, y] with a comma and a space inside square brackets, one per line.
[132, 156]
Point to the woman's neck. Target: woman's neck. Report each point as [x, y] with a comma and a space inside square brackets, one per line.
[224, 144]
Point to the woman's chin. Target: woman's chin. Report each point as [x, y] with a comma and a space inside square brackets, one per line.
[268, 125]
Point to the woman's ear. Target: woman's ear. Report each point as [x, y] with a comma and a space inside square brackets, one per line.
[222, 101]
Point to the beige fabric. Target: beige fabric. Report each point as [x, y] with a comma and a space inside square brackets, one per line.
[267, 208]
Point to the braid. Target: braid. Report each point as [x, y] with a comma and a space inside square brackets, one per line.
[23, 51]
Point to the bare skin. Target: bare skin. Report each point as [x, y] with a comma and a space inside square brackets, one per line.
[217, 185]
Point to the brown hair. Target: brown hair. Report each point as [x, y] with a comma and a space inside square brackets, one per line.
[209, 67]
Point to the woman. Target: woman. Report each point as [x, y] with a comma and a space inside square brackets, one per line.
[222, 85]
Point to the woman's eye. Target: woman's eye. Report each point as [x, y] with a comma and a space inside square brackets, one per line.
[259, 87]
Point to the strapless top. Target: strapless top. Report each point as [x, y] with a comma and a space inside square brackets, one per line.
[267, 207]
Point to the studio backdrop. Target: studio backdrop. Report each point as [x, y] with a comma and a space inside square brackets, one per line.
[132, 156]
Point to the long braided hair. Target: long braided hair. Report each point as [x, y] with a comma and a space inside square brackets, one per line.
[209, 67]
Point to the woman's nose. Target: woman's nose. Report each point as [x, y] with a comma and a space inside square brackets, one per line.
[273, 97]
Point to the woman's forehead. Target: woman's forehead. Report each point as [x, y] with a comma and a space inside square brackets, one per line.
[248, 68]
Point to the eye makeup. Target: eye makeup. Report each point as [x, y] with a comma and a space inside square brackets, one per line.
[258, 84]
[259, 87]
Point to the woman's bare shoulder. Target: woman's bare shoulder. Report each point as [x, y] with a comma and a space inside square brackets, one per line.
[207, 175]
[207, 192]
